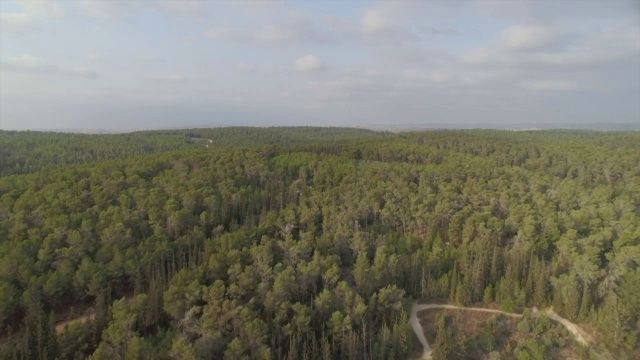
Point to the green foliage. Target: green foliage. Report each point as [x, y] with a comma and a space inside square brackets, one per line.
[523, 326]
[31, 151]
[182, 349]
[488, 295]
[304, 242]
[443, 346]
[488, 336]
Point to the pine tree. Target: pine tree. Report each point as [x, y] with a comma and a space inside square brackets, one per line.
[532, 270]
[585, 305]
[442, 348]
[540, 288]
[361, 274]
[494, 273]
[488, 294]
[102, 316]
[480, 278]
[453, 284]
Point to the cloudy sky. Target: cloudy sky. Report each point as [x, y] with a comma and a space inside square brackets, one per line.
[134, 64]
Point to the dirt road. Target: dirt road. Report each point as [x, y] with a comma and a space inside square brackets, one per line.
[419, 331]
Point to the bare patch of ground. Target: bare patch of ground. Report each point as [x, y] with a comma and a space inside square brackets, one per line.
[61, 326]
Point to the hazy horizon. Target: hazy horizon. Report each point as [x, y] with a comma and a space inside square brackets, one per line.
[144, 64]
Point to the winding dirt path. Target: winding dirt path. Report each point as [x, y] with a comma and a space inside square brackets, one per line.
[578, 333]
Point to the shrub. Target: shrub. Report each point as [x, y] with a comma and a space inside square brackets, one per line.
[523, 326]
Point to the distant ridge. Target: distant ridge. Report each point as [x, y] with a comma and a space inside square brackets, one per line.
[523, 127]
[395, 128]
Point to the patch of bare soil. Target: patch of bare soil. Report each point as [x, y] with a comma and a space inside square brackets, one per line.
[466, 324]
[61, 326]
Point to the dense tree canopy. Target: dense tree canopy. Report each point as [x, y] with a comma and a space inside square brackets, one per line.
[23, 152]
[298, 249]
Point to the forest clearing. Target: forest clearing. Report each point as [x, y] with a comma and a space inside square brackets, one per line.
[578, 334]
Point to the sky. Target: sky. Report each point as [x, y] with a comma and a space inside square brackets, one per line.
[145, 64]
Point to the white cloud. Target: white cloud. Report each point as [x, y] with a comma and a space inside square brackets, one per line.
[349, 89]
[480, 77]
[274, 35]
[171, 78]
[373, 22]
[95, 58]
[32, 64]
[147, 59]
[345, 87]
[553, 85]
[443, 31]
[28, 63]
[175, 78]
[16, 23]
[555, 11]
[592, 48]
[181, 7]
[224, 33]
[388, 60]
[79, 71]
[45, 8]
[436, 76]
[24, 22]
[115, 10]
[456, 76]
[521, 37]
[479, 56]
[374, 25]
[127, 10]
[281, 34]
[309, 64]
[244, 67]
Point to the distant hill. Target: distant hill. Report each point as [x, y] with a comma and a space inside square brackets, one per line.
[550, 126]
